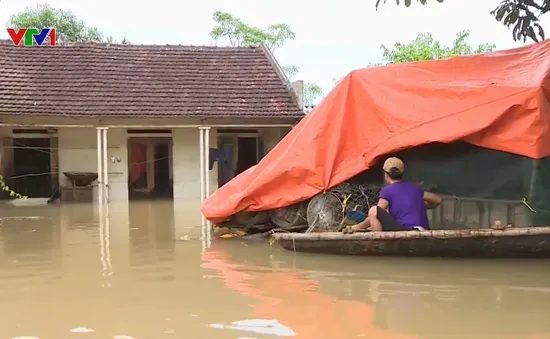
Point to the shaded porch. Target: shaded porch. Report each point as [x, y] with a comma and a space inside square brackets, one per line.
[151, 159]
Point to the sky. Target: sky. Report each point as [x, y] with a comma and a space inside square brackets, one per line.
[332, 37]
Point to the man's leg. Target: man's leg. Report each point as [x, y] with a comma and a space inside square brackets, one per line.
[388, 223]
[375, 222]
[363, 226]
[370, 221]
[378, 220]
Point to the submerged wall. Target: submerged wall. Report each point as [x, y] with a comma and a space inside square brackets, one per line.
[77, 152]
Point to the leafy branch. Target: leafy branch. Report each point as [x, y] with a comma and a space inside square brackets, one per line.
[11, 192]
[523, 16]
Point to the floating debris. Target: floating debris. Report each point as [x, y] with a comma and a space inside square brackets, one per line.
[188, 237]
[233, 234]
[260, 326]
[81, 330]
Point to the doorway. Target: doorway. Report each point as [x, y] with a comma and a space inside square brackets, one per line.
[162, 170]
[247, 153]
[150, 167]
[241, 149]
[32, 167]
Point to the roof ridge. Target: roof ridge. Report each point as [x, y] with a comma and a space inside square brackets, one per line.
[281, 74]
[105, 44]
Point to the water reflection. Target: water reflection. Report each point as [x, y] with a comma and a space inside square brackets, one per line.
[30, 245]
[152, 238]
[65, 271]
[76, 217]
[388, 297]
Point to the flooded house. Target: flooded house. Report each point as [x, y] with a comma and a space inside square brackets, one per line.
[103, 111]
[148, 122]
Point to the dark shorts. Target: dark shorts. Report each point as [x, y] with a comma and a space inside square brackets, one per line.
[387, 221]
[390, 224]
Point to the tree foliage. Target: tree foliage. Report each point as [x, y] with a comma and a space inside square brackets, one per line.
[113, 41]
[290, 71]
[237, 33]
[69, 28]
[425, 47]
[312, 92]
[523, 16]
[241, 34]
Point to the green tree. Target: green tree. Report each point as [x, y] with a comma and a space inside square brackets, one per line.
[312, 92]
[425, 47]
[68, 26]
[521, 15]
[112, 41]
[237, 33]
[290, 71]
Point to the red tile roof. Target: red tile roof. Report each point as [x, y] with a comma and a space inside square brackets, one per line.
[98, 80]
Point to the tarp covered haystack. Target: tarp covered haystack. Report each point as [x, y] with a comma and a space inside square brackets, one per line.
[498, 101]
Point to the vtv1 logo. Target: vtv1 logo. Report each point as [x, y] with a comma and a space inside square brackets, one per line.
[30, 36]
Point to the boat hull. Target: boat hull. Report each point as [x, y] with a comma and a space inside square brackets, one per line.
[523, 242]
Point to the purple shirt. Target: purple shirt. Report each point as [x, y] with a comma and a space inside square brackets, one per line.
[406, 204]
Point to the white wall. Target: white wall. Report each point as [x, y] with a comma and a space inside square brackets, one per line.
[272, 136]
[78, 152]
[186, 156]
[185, 159]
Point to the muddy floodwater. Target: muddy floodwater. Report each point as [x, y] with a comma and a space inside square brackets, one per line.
[144, 272]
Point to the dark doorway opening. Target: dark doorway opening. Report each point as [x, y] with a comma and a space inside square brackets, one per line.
[32, 167]
[163, 186]
[247, 153]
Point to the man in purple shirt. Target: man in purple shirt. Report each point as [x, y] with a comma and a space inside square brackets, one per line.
[402, 205]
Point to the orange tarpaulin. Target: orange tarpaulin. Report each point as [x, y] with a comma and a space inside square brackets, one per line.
[498, 100]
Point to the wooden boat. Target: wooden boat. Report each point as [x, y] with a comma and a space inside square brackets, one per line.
[518, 242]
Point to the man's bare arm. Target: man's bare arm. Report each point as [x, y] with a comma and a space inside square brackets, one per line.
[431, 200]
[383, 203]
